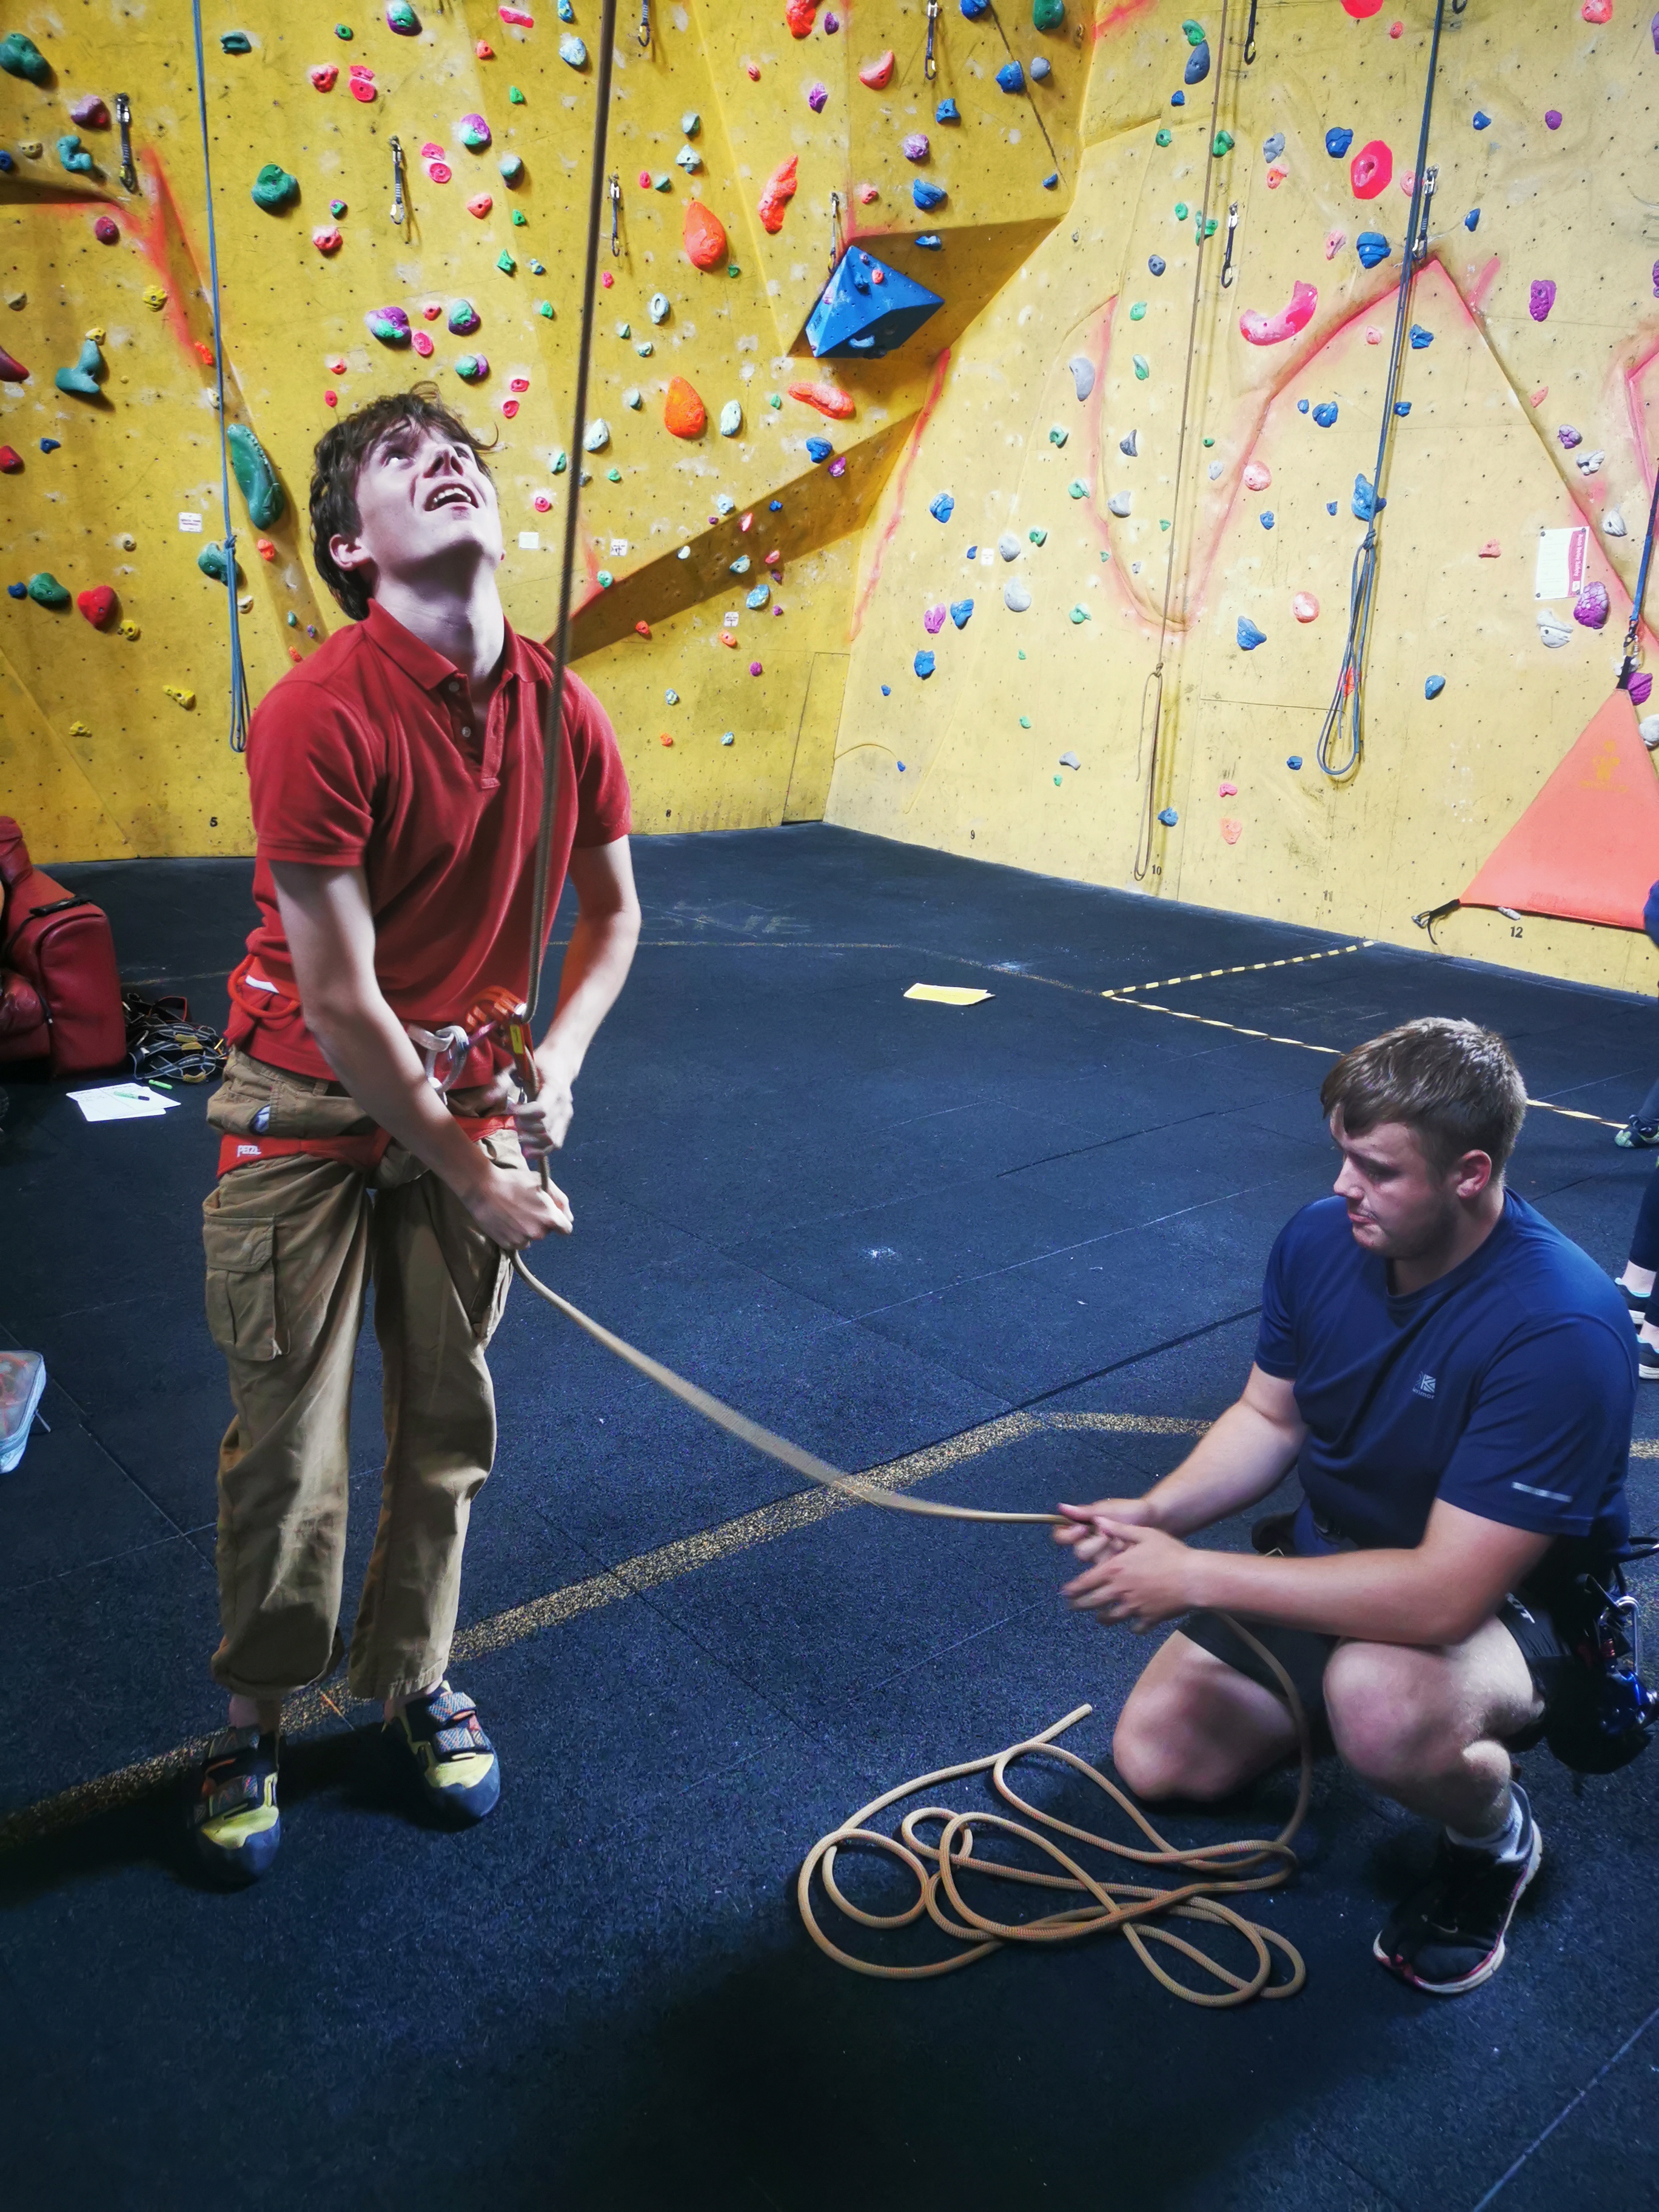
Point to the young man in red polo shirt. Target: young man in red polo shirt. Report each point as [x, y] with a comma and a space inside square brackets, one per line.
[395, 781]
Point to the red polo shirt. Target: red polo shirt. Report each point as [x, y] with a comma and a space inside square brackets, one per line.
[369, 755]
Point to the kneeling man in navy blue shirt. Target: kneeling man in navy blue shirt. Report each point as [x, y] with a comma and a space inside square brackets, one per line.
[1454, 1380]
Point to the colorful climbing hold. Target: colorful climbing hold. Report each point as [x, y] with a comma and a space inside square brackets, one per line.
[45, 591]
[1260, 329]
[1370, 169]
[323, 75]
[1420, 337]
[573, 51]
[97, 604]
[778, 190]
[1551, 118]
[1591, 607]
[1198, 64]
[1012, 77]
[1325, 413]
[927, 194]
[1433, 686]
[21, 56]
[1249, 635]
[1168, 817]
[924, 665]
[1480, 119]
[1305, 607]
[1540, 298]
[82, 381]
[878, 74]
[273, 188]
[260, 489]
[942, 506]
[684, 413]
[389, 324]
[1143, 368]
[1265, 517]
[1337, 142]
[703, 236]
[817, 95]
[818, 449]
[828, 398]
[1371, 247]
[961, 609]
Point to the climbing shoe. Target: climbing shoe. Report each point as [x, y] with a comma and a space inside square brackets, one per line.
[1647, 1360]
[234, 1825]
[1638, 1136]
[1449, 1935]
[455, 1762]
[1636, 1303]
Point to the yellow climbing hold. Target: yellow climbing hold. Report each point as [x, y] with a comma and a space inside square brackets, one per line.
[185, 699]
[79, 730]
[131, 629]
[155, 296]
[97, 334]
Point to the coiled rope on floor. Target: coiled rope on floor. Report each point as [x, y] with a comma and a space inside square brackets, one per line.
[1214, 1871]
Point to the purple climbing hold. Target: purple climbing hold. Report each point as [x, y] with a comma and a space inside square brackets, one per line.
[1570, 437]
[1249, 635]
[1656, 280]
[816, 96]
[389, 324]
[1654, 27]
[1640, 686]
[933, 620]
[1592, 606]
[1551, 118]
[1542, 298]
[914, 147]
[838, 466]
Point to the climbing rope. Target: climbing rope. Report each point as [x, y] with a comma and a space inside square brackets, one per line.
[1025, 80]
[553, 728]
[239, 706]
[1152, 689]
[1347, 701]
[1111, 1908]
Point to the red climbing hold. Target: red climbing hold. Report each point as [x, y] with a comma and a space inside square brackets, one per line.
[1361, 9]
[780, 189]
[642, 628]
[322, 75]
[11, 460]
[798, 17]
[1371, 170]
[11, 372]
[1273, 330]
[704, 237]
[826, 397]
[878, 74]
[97, 604]
[1583, 849]
[107, 230]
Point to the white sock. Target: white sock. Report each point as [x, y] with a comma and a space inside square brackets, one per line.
[1639, 1279]
[1648, 1335]
[1505, 1842]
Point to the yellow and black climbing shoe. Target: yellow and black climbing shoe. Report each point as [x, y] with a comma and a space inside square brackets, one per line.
[234, 1825]
[455, 1762]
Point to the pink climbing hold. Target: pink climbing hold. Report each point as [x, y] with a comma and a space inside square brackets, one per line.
[1231, 829]
[1373, 336]
[327, 240]
[480, 204]
[107, 230]
[778, 190]
[1335, 242]
[1541, 299]
[1257, 476]
[868, 192]
[1370, 169]
[878, 74]
[933, 620]
[541, 503]
[1362, 9]
[1261, 330]
[438, 172]
[755, 668]
[1305, 607]
[1394, 29]
[645, 180]
[1226, 791]
[322, 75]
[421, 343]
[517, 17]
[1276, 176]
[90, 112]
[1491, 550]
[518, 384]
[1597, 11]
[1407, 183]
[1592, 606]
[362, 83]
[509, 408]
[330, 399]
[335, 364]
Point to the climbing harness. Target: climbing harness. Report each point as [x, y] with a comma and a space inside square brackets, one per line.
[1152, 689]
[1214, 1871]
[1342, 740]
[238, 701]
[930, 60]
[400, 208]
[124, 117]
[553, 728]
[162, 1042]
[615, 189]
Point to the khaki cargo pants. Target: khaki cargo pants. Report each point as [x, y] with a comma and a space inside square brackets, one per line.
[291, 1244]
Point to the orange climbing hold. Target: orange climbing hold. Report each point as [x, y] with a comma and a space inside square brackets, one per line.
[704, 236]
[683, 412]
[1585, 848]
[826, 397]
[798, 17]
[878, 74]
[642, 628]
[779, 191]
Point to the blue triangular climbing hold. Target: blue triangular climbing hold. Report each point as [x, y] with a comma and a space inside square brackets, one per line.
[867, 309]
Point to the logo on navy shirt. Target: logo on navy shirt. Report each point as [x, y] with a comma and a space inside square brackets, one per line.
[1423, 1387]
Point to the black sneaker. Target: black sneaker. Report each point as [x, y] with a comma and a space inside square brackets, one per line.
[1636, 1302]
[234, 1825]
[459, 1774]
[1448, 1937]
[1638, 1136]
[1647, 1360]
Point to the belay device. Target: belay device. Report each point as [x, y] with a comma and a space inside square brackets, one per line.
[1604, 1712]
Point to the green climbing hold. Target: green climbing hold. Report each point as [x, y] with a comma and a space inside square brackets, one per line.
[1038, 537]
[559, 462]
[1163, 138]
[612, 476]
[1080, 614]
[1194, 32]
[1059, 435]
[1138, 312]
[1163, 526]
[504, 262]
[1224, 143]
[343, 30]
[401, 17]
[73, 155]
[733, 269]
[82, 380]
[606, 579]
[544, 307]
[1078, 489]
[211, 563]
[47, 592]
[1024, 719]
[264, 495]
[1209, 441]
[274, 189]
[1143, 366]
[1209, 227]
[235, 42]
[1048, 14]
[21, 56]
[1181, 210]
[514, 96]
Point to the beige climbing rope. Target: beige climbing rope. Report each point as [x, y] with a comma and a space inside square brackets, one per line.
[1214, 1871]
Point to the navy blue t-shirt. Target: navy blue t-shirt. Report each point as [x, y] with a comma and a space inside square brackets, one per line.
[1507, 1388]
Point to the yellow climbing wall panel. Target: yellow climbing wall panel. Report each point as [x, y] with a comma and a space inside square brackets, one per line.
[1106, 496]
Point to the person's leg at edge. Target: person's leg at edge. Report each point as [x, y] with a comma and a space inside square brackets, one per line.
[1640, 1272]
[1194, 1726]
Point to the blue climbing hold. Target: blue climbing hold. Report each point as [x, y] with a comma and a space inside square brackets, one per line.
[947, 111]
[1402, 406]
[1168, 817]
[1325, 413]
[1481, 119]
[759, 596]
[1272, 145]
[924, 665]
[819, 449]
[1371, 247]
[1156, 263]
[17, 591]
[1012, 77]
[1295, 760]
[1177, 99]
[972, 553]
[973, 9]
[960, 611]
[943, 508]
[1051, 182]
[1366, 504]
[867, 310]
[886, 690]
[927, 195]
[1420, 337]
[928, 239]
[1266, 517]
[1330, 506]
[1472, 220]
[50, 445]
[1249, 635]
[1301, 406]
[7, 164]
[1337, 142]
[1198, 64]
[775, 507]
[1434, 687]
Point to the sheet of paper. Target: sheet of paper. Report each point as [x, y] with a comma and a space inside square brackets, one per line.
[945, 994]
[123, 1102]
[1562, 555]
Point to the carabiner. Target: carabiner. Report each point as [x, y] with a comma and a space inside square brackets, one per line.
[400, 208]
[123, 117]
[1249, 37]
[836, 248]
[645, 27]
[1228, 272]
[1420, 243]
[615, 211]
[930, 62]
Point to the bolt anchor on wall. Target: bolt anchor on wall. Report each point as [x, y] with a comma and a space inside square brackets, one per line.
[123, 117]
[614, 189]
[400, 206]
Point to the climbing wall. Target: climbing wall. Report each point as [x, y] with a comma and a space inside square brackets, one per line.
[1060, 576]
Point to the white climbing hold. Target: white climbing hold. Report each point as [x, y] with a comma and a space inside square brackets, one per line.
[684, 553]
[1648, 727]
[634, 397]
[1589, 463]
[1551, 631]
[1131, 445]
[659, 306]
[688, 159]
[597, 436]
[1119, 502]
[1015, 596]
[1215, 472]
[1083, 375]
[1614, 524]
[730, 419]
[1070, 760]
[1008, 546]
